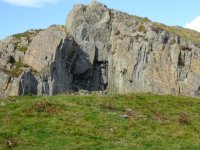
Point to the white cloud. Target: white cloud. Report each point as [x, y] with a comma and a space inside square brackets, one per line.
[195, 24]
[29, 3]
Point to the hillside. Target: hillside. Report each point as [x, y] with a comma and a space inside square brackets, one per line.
[123, 122]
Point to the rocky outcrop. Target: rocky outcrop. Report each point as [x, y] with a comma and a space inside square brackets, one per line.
[101, 49]
[48, 55]
[136, 54]
[12, 52]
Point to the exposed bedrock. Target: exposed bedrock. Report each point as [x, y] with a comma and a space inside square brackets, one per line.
[138, 56]
[101, 49]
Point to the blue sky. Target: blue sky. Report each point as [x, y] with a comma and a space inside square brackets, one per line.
[20, 15]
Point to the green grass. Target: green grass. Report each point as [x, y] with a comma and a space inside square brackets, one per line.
[96, 123]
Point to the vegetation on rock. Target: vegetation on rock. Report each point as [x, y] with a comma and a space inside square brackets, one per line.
[23, 48]
[17, 69]
[188, 34]
[27, 34]
[191, 35]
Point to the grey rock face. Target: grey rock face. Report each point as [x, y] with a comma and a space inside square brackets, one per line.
[90, 27]
[4, 81]
[131, 55]
[54, 62]
[11, 48]
[100, 49]
[41, 51]
[15, 77]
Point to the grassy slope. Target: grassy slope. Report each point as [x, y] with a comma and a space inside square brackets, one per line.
[92, 122]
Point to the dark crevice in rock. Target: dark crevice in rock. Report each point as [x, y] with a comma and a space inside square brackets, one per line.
[181, 60]
[136, 67]
[197, 93]
[27, 84]
[9, 80]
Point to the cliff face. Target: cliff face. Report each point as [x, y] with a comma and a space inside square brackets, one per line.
[140, 55]
[103, 49]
